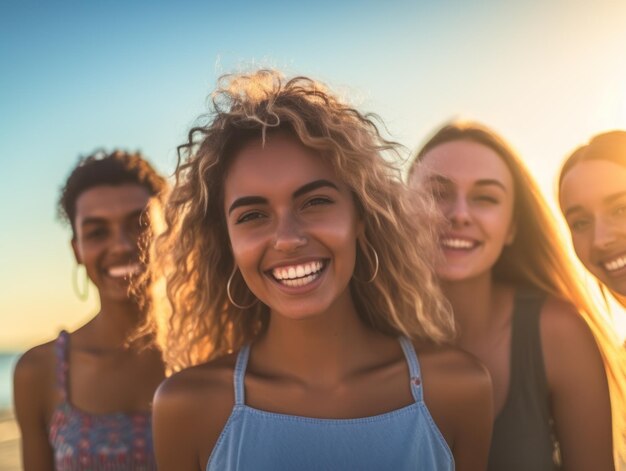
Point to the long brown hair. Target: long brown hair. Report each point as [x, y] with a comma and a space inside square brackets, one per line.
[537, 258]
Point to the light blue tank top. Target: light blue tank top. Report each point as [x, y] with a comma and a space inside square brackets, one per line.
[403, 439]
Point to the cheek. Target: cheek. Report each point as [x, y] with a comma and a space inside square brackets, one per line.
[500, 224]
[244, 247]
[581, 246]
[87, 251]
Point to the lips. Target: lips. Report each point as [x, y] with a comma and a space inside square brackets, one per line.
[298, 275]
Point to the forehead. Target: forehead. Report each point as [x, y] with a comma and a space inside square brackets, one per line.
[106, 201]
[465, 162]
[592, 181]
[283, 164]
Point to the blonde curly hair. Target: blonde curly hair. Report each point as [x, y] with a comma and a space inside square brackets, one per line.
[193, 254]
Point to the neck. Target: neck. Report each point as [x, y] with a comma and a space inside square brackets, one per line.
[473, 303]
[322, 349]
[116, 321]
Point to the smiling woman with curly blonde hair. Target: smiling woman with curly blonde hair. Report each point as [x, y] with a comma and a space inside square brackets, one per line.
[295, 264]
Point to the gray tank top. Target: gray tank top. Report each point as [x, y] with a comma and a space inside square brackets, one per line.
[523, 437]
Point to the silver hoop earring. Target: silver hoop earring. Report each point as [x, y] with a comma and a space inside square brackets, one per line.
[376, 263]
[230, 298]
[82, 294]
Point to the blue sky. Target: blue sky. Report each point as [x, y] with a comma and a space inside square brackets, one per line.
[76, 76]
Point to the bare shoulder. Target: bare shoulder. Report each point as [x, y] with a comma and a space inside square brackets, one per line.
[192, 407]
[560, 319]
[567, 343]
[36, 368]
[450, 364]
[457, 389]
[36, 359]
[212, 380]
[34, 380]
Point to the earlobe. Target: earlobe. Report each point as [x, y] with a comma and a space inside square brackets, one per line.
[77, 256]
[510, 238]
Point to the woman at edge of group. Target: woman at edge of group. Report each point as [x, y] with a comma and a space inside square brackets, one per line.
[293, 271]
[592, 186]
[83, 400]
[520, 308]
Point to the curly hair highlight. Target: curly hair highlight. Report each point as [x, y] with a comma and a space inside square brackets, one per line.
[193, 254]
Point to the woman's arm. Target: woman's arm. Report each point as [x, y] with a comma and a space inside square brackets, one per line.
[29, 391]
[173, 426]
[189, 412]
[577, 380]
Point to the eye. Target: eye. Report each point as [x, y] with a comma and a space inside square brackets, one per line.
[440, 193]
[487, 199]
[98, 233]
[317, 201]
[620, 211]
[579, 225]
[249, 216]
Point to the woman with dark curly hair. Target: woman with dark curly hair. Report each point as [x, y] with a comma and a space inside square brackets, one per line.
[302, 296]
[83, 400]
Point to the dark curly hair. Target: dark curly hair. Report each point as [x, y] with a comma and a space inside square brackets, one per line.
[102, 168]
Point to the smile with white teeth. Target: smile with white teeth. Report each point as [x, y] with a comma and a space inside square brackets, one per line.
[615, 264]
[298, 275]
[121, 271]
[453, 243]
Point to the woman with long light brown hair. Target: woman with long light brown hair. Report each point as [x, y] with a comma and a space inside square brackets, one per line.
[520, 308]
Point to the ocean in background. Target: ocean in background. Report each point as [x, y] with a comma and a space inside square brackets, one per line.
[7, 363]
[9, 433]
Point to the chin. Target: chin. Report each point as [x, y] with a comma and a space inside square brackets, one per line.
[452, 275]
[299, 312]
[619, 288]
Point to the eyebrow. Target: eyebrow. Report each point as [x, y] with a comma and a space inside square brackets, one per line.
[491, 181]
[572, 209]
[100, 220]
[307, 188]
[483, 182]
[608, 200]
[615, 196]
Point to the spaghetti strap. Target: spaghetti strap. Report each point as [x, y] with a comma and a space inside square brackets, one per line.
[61, 346]
[239, 375]
[414, 368]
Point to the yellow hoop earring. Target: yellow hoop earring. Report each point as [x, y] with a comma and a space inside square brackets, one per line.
[230, 298]
[376, 263]
[83, 293]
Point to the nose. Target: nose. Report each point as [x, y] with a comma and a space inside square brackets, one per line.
[603, 233]
[289, 235]
[123, 242]
[458, 212]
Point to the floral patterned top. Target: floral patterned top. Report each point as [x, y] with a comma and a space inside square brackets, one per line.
[97, 442]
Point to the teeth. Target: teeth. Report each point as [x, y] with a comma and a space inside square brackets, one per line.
[298, 273]
[616, 263]
[124, 270]
[300, 281]
[457, 243]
